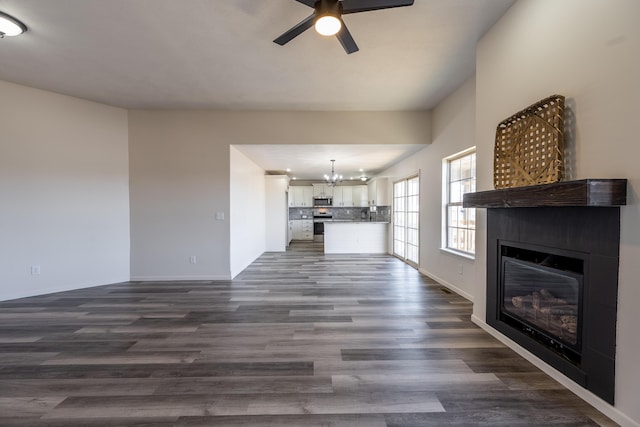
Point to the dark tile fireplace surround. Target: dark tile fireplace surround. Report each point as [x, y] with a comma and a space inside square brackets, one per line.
[552, 273]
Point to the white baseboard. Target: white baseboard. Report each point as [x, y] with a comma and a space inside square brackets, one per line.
[177, 278]
[457, 290]
[47, 291]
[593, 400]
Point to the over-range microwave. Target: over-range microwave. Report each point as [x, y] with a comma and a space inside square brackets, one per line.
[322, 201]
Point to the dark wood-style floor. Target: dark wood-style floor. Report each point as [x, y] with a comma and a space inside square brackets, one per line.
[298, 339]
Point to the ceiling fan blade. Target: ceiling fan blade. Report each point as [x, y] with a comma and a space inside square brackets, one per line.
[346, 40]
[309, 3]
[295, 31]
[355, 6]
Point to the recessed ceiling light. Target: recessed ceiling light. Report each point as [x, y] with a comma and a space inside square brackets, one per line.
[294, 178]
[288, 170]
[10, 26]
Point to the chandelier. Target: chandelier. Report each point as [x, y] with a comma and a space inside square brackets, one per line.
[333, 179]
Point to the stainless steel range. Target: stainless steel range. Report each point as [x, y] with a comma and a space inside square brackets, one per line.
[318, 225]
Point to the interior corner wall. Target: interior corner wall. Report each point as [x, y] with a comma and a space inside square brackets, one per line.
[246, 212]
[64, 193]
[586, 50]
[452, 130]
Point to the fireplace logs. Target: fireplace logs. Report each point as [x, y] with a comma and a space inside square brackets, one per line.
[549, 312]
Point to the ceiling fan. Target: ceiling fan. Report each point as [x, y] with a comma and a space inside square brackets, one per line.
[327, 18]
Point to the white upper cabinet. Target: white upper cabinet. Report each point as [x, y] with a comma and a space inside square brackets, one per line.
[360, 194]
[343, 196]
[378, 192]
[322, 190]
[292, 196]
[307, 195]
[371, 192]
[301, 196]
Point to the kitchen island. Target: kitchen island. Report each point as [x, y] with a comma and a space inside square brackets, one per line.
[355, 237]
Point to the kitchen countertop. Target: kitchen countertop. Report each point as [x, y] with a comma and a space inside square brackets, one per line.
[351, 221]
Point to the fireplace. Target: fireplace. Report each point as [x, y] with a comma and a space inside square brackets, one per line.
[541, 295]
[552, 274]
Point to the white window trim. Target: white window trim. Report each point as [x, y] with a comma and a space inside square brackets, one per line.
[465, 255]
[445, 200]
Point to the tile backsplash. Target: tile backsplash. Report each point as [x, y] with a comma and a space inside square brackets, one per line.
[300, 213]
[382, 213]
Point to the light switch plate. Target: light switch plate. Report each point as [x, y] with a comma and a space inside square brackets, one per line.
[219, 216]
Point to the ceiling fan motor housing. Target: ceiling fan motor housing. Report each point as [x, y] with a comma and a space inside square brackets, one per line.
[328, 8]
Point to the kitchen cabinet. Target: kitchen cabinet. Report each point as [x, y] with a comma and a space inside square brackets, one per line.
[343, 196]
[371, 192]
[377, 190]
[307, 229]
[360, 195]
[296, 230]
[322, 190]
[303, 229]
[292, 196]
[301, 196]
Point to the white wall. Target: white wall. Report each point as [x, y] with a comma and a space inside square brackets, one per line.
[64, 202]
[276, 213]
[247, 211]
[453, 130]
[179, 183]
[587, 50]
[180, 176]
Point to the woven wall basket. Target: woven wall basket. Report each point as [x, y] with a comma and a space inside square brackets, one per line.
[529, 147]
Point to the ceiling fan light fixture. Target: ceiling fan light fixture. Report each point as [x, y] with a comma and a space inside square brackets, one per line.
[10, 26]
[328, 25]
[327, 17]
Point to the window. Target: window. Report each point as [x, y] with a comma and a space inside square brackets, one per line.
[406, 198]
[460, 224]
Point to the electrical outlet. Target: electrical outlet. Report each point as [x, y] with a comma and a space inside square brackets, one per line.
[460, 269]
[35, 270]
[193, 259]
[219, 216]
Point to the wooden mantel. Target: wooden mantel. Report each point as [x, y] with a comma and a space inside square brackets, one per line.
[585, 192]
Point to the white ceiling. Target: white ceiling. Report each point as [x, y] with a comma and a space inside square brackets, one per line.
[313, 162]
[219, 54]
